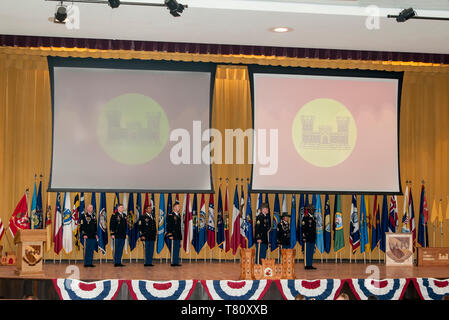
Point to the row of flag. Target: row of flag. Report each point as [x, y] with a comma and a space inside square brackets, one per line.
[199, 226]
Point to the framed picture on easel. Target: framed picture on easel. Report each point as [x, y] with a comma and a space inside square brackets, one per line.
[399, 249]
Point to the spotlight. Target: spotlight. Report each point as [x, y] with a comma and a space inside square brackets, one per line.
[174, 7]
[61, 13]
[406, 14]
[114, 3]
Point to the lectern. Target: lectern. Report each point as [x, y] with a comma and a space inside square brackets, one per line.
[30, 250]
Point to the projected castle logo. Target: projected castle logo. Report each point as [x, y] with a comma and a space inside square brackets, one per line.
[132, 129]
[325, 137]
[324, 132]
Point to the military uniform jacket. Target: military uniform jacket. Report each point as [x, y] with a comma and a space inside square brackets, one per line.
[173, 228]
[283, 233]
[262, 227]
[118, 225]
[308, 228]
[147, 227]
[88, 225]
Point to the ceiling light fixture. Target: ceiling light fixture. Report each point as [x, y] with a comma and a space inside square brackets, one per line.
[281, 29]
[114, 3]
[174, 7]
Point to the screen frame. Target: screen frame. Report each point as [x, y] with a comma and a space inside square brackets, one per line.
[132, 64]
[308, 71]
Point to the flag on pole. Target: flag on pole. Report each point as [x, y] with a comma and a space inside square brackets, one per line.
[300, 217]
[102, 228]
[327, 225]
[259, 204]
[354, 226]
[2, 229]
[272, 236]
[75, 219]
[293, 222]
[82, 208]
[319, 242]
[202, 224]
[375, 233]
[39, 211]
[188, 223]
[423, 217]
[227, 233]
[384, 224]
[242, 216]
[161, 224]
[364, 242]
[411, 211]
[168, 211]
[339, 238]
[19, 218]
[67, 225]
[211, 223]
[48, 223]
[220, 221]
[33, 215]
[440, 211]
[393, 215]
[116, 202]
[195, 236]
[369, 224]
[405, 218]
[133, 232]
[235, 235]
[249, 221]
[57, 233]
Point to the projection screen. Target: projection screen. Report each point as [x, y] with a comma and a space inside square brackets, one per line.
[336, 131]
[129, 125]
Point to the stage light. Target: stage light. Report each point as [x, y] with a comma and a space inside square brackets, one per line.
[406, 14]
[174, 7]
[61, 13]
[114, 3]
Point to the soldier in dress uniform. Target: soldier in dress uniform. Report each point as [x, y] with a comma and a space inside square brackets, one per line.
[283, 232]
[309, 236]
[147, 233]
[118, 226]
[261, 233]
[88, 231]
[173, 234]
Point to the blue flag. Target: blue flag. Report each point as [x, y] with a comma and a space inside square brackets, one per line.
[384, 223]
[39, 207]
[161, 224]
[319, 241]
[293, 223]
[202, 225]
[102, 229]
[327, 225]
[276, 219]
[375, 233]
[195, 239]
[249, 220]
[268, 204]
[423, 212]
[220, 222]
[169, 210]
[301, 215]
[132, 225]
[34, 219]
[364, 241]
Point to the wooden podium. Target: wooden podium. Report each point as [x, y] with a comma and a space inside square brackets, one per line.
[30, 251]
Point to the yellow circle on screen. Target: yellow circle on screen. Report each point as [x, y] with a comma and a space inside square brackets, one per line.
[324, 132]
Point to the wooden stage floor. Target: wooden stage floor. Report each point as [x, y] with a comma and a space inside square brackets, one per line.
[201, 270]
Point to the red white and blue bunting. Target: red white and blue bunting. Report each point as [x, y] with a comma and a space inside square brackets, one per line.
[161, 290]
[236, 290]
[325, 289]
[431, 289]
[385, 289]
[72, 289]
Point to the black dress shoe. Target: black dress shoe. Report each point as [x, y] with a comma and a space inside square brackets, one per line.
[119, 265]
[310, 268]
[175, 265]
[148, 265]
[89, 266]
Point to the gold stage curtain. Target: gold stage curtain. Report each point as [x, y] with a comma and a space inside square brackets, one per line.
[26, 134]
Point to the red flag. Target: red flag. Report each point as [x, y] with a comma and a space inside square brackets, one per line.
[211, 223]
[57, 233]
[19, 219]
[147, 201]
[188, 224]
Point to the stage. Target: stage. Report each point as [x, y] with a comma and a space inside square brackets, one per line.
[43, 287]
